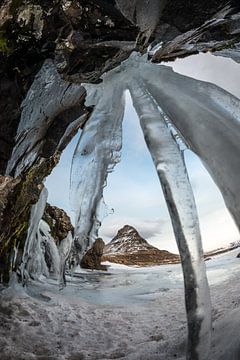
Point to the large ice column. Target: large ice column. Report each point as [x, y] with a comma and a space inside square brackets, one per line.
[96, 154]
[33, 263]
[177, 190]
[208, 118]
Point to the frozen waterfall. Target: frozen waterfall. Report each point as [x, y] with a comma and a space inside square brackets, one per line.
[96, 154]
[33, 263]
[41, 255]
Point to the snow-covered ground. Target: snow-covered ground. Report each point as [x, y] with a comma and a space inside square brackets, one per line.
[128, 313]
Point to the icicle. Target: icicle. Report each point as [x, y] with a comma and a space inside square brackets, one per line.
[64, 251]
[96, 154]
[33, 260]
[208, 118]
[177, 190]
[49, 249]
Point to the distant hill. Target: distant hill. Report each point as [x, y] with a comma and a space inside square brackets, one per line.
[129, 248]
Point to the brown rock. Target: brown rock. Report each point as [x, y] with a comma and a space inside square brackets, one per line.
[16, 198]
[92, 258]
[59, 222]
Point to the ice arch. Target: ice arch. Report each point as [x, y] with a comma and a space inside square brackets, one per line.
[207, 119]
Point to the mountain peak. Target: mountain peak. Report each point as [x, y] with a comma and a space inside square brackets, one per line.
[128, 247]
[128, 231]
[127, 239]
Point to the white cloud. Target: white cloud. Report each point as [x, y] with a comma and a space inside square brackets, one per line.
[146, 227]
[215, 69]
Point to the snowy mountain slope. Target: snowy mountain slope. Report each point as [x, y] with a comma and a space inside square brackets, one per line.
[129, 248]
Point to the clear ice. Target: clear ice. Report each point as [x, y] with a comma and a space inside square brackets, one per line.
[65, 247]
[49, 249]
[208, 119]
[33, 262]
[170, 165]
[41, 255]
[96, 154]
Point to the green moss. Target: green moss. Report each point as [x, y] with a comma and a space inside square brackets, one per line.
[4, 47]
[17, 212]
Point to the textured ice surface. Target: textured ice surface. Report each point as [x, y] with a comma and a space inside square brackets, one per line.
[41, 256]
[64, 251]
[49, 248]
[48, 96]
[130, 313]
[208, 118]
[169, 162]
[33, 263]
[96, 154]
[122, 284]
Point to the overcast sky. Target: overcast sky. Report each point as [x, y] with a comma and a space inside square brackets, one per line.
[134, 191]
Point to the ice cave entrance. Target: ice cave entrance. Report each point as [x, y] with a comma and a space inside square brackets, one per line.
[133, 189]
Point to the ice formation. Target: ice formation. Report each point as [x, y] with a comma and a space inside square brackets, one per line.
[33, 263]
[46, 99]
[41, 255]
[49, 249]
[64, 251]
[96, 154]
[207, 119]
[170, 165]
[204, 116]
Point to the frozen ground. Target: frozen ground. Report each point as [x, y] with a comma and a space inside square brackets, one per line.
[127, 313]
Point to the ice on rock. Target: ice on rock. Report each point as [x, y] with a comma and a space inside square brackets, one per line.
[49, 248]
[96, 154]
[33, 262]
[41, 255]
[48, 96]
[64, 252]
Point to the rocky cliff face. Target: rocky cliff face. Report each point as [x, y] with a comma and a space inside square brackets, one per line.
[58, 221]
[129, 248]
